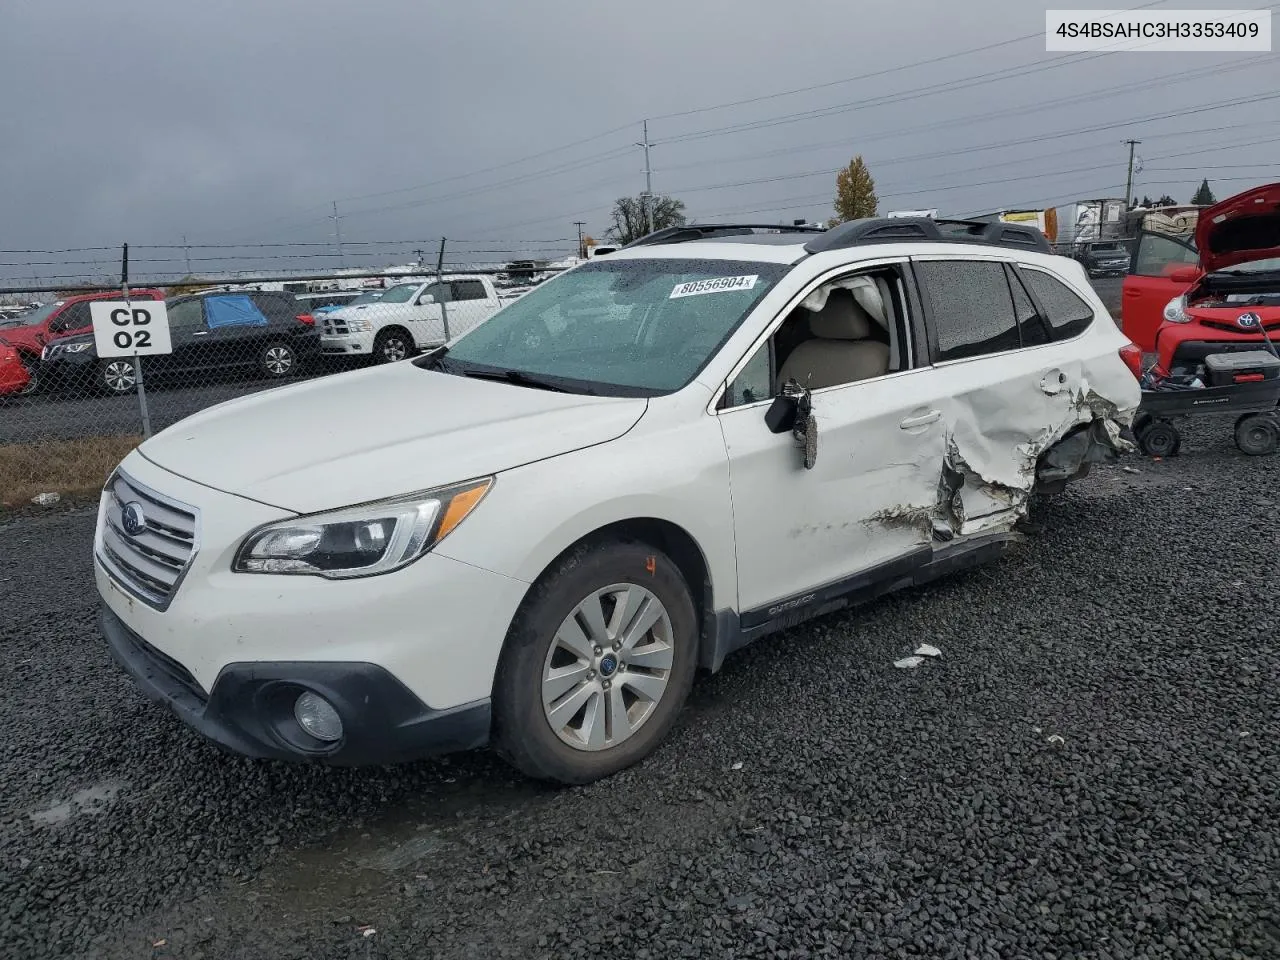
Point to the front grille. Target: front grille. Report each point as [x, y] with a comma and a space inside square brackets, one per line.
[335, 327]
[151, 563]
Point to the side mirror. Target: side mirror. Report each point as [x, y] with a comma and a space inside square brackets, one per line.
[781, 415]
[58, 326]
[1184, 274]
[426, 298]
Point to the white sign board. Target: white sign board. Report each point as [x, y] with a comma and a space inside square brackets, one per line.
[138, 328]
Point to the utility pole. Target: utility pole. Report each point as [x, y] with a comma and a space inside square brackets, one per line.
[582, 253]
[187, 252]
[1128, 184]
[647, 197]
[337, 233]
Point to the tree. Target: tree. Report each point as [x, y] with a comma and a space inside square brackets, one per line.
[855, 192]
[1204, 196]
[633, 217]
[1166, 201]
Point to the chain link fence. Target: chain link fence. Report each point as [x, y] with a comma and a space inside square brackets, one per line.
[67, 413]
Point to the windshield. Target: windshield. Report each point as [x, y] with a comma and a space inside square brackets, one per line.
[400, 293]
[621, 326]
[37, 316]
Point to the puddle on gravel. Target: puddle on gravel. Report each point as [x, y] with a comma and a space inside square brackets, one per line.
[91, 800]
[413, 841]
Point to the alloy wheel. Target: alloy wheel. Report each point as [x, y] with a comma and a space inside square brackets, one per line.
[119, 376]
[607, 667]
[278, 361]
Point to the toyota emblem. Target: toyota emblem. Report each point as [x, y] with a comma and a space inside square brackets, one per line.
[1249, 320]
[133, 519]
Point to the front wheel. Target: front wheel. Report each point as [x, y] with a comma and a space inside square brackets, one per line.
[118, 376]
[390, 346]
[597, 665]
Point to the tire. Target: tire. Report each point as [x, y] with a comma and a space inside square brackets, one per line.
[1139, 426]
[392, 345]
[1160, 439]
[117, 376]
[277, 361]
[558, 698]
[1257, 434]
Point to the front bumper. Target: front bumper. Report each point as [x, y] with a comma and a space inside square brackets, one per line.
[249, 709]
[339, 344]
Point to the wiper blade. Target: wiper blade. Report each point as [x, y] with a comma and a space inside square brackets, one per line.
[517, 377]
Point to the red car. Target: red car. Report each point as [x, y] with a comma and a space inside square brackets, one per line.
[1218, 292]
[62, 318]
[13, 375]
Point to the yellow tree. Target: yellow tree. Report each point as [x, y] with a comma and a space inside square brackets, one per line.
[855, 192]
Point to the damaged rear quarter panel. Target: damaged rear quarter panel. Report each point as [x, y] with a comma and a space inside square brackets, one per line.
[1004, 412]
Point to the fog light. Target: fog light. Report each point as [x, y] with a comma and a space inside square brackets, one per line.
[316, 715]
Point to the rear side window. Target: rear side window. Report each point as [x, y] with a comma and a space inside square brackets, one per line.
[1067, 313]
[468, 290]
[973, 312]
[278, 306]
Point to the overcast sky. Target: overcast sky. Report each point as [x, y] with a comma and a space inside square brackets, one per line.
[242, 120]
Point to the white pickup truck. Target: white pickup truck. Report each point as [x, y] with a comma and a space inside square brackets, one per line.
[398, 322]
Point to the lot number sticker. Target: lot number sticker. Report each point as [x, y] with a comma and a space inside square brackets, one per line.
[121, 329]
[716, 285]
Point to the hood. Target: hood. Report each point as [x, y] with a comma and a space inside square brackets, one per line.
[1240, 229]
[381, 432]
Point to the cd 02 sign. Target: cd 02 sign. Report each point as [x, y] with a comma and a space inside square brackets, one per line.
[136, 329]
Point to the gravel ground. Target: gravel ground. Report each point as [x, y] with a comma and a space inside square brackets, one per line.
[1091, 769]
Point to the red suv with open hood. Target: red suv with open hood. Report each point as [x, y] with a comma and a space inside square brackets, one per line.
[1229, 299]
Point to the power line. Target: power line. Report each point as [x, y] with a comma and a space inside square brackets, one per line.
[1107, 93]
[615, 130]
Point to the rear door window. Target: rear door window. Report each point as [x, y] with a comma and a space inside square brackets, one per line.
[234, 310]
[1031, 325]
[972, 308]
[1067, 313]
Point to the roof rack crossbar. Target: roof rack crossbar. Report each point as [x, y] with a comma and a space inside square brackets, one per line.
[703, 231]
[926, 230]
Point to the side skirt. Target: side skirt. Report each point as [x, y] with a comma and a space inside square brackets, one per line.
[729, 631]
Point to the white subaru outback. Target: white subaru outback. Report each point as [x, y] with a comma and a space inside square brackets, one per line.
[535, 537]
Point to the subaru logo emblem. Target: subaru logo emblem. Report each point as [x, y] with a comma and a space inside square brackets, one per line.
[608, 666]
[133, 519]
[1249, 320]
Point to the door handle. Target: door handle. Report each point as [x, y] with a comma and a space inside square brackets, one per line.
[920, 420]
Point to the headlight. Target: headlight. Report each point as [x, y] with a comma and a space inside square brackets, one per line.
[360, 541]
[1175, 311]
[49, 351]
[77, 347]
[358, 326]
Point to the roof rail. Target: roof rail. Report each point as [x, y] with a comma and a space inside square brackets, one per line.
[925, 230]
[704, 231]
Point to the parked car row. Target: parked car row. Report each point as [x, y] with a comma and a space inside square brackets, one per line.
[271, 334]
